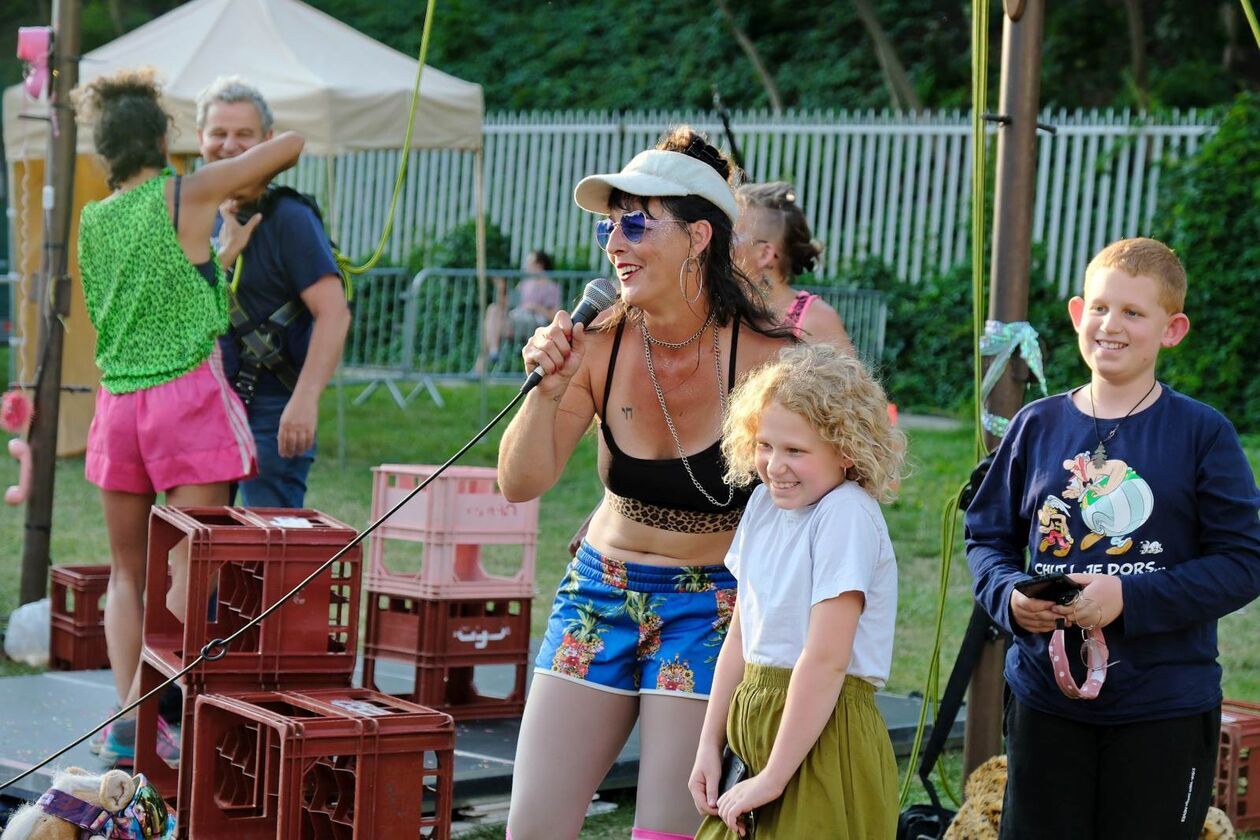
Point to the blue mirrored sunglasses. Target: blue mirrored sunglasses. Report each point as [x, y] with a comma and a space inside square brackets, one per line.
[633, 225]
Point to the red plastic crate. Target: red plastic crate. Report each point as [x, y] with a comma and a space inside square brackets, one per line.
[454, 631]
[1238, 767]
[75, 648]
[78, 594]
[475, 543]
[176, 783]
[443, 640]
[453, 689]
[239, 563]
[344, 764]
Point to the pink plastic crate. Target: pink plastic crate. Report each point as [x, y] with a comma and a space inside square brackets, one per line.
[468, 540]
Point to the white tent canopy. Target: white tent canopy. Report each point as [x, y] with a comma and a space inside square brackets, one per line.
[339, 88]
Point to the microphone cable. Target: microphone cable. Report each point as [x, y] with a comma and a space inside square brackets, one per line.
[217, 648]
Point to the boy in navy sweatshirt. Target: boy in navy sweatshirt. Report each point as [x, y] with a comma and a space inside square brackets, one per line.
[1143, 497]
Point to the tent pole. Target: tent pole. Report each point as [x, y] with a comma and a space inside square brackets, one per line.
[479, 187]
[330, 191]
[330, 200]
[54, 302]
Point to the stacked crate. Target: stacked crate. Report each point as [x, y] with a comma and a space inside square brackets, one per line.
[240, 562]
[342, 764]
[1238, 766]
[77, 635]
[450, 582]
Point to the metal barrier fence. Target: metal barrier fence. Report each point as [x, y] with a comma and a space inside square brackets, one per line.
[412, 331]
[416, 330]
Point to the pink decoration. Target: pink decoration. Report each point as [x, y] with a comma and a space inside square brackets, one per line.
[34, 47]
[15, 411]
[34, 42]
[17, 493]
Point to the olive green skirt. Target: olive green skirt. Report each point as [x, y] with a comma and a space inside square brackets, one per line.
[846, 788]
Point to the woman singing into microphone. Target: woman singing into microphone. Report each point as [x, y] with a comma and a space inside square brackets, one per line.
[644, 606]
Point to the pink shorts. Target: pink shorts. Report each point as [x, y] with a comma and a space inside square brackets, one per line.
[191, 430]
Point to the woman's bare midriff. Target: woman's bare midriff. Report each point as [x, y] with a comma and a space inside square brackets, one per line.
[619, 538]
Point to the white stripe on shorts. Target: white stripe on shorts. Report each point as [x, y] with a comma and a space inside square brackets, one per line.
[235, 411]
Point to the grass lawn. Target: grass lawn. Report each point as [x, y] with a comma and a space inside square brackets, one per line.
[379, 432]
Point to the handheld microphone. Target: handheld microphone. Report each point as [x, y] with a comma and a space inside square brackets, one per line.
[598, 295]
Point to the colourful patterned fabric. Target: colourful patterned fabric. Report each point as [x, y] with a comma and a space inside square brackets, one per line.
[155, 315]
[144, 818]
[631, 628]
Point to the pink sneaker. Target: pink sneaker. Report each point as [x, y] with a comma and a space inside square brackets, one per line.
[168, 743]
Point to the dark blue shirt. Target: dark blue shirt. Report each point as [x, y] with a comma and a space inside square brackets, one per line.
[1173, 513]
[287, 253]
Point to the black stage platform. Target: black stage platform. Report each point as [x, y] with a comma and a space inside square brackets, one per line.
[40, 714]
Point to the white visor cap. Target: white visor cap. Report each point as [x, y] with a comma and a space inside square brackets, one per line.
[658, 173]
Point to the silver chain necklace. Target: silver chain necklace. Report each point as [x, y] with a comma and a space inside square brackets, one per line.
[648, 341]
[677, 345]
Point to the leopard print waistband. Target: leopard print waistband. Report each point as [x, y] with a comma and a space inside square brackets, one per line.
[672, 519]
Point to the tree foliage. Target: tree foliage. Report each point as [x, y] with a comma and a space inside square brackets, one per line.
[642, 54]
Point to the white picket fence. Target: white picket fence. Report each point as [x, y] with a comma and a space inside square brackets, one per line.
[884, 185]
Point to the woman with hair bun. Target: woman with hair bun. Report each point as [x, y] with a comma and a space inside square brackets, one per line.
[638, 620]
[774, 245]
[166, 419]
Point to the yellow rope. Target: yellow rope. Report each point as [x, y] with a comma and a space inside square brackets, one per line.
[953, 505]
[979, 102]
[1251, 18]
[343, 262]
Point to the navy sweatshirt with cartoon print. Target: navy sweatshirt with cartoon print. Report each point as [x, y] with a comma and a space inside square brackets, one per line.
[1172, 510]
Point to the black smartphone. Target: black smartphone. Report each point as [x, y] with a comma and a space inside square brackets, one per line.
[734, 770]
[1055, 587]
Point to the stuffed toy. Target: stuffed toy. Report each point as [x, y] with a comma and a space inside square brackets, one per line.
[981, 811]
[86, 806]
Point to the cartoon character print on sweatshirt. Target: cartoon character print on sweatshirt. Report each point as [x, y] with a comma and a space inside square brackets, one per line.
[1114, 500]
[1052, 521]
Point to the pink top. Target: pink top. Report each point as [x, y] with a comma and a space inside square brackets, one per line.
[540, 293]
[796, 312]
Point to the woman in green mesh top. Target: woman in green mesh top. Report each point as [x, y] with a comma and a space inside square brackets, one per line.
[166, 420]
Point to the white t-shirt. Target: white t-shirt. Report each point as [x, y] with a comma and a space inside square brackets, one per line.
[787, 561]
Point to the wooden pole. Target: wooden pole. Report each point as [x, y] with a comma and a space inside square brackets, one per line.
[1022, 30]
[54, 300]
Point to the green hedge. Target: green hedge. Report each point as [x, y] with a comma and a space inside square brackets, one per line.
[1210, 215]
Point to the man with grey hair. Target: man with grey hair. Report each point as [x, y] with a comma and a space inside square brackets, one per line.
[289, 315]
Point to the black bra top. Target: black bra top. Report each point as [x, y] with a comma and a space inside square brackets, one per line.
[664, 482]
[206, 269]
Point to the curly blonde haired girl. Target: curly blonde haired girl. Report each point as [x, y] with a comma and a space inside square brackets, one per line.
[812, 628]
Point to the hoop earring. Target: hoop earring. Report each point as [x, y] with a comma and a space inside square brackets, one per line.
[683, 271]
